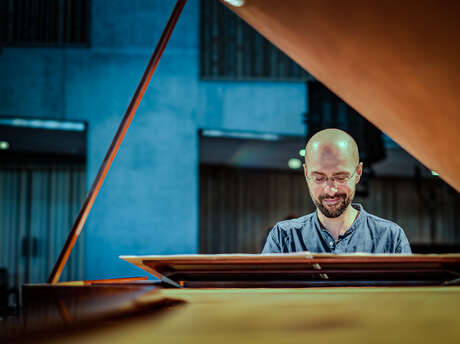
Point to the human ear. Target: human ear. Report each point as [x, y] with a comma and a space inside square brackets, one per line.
[359, 172]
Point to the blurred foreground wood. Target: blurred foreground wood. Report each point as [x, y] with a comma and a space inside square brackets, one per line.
[345, 315]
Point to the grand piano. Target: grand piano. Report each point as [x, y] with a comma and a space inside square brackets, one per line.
[396, 63]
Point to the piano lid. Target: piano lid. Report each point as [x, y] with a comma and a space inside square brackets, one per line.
[396, 63]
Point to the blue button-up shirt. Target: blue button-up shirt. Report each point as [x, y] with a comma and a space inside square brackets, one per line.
[368, 234]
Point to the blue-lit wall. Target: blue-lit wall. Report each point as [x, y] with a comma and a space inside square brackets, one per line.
[149, 201]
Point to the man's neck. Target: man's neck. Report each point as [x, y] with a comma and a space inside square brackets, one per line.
[338, 225]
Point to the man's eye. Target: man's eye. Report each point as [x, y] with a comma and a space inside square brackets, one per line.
[340, 178]
[319, 179]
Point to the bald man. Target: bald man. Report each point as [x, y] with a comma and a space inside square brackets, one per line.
[332, 170]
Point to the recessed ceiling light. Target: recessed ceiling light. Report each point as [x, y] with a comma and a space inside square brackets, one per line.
[4, 145]
[236, 3]
[294, 163]
[302, 152]
[434, 173]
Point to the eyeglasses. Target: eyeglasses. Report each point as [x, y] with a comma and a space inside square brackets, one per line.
[339, 179]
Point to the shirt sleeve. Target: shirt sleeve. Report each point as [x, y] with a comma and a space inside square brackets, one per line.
[272, 245]
[403, 245]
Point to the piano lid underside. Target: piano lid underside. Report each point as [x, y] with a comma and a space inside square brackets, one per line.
[396, 63]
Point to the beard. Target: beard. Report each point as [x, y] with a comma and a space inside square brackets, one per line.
[335, 210]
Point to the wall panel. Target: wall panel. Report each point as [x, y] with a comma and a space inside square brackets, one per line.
[238, 207]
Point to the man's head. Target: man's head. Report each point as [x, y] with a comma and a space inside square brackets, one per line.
[332, 170]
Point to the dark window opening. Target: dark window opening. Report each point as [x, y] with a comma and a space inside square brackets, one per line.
[232, 50]
[44, 22]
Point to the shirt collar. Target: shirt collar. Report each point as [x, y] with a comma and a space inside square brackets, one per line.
[356, 224]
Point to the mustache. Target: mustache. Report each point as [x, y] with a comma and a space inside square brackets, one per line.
[338, 195]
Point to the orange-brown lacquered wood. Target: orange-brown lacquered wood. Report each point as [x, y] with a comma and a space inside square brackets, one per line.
[396, 62]
[113, 149]
[125, 280]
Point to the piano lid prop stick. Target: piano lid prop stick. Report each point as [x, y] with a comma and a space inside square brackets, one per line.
[116, 142]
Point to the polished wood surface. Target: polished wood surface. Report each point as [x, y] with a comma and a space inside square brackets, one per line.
[335, 315]
[50, 309]
[115, 145]
[396, 62]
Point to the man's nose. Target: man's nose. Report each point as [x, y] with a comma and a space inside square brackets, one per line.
[331, 186]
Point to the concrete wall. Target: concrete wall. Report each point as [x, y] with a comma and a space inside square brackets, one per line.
[149, 201]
